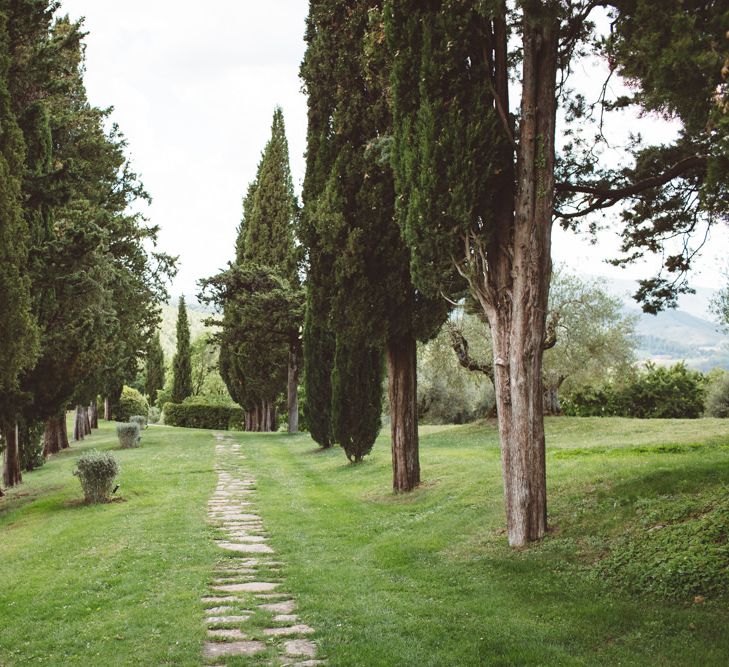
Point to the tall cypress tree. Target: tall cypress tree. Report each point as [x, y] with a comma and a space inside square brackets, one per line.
[155, 369]
[371, 306]
[182, 365]
[18, 327]
[260, 293]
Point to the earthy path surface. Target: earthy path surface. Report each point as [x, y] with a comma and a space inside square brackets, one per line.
[250, 618]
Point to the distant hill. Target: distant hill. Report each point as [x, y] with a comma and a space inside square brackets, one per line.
[686, 334]
[196, 314]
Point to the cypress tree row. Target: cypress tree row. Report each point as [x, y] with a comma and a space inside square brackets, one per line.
[349, 215]
[155, 379]
[182, 364]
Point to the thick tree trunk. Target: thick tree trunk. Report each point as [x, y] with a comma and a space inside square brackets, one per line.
[107, 410]
[518, 272]
[94, 413]
[62, 431]
[51, 441]
[551, 401]
[11, 458]
[79, 427]
[265, 417]
[403, 394]
[86, 420]
[273, 419]
[292, 398]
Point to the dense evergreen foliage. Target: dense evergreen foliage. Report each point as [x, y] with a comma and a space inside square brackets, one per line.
[260, 295]
[95, 287]
[181, 364]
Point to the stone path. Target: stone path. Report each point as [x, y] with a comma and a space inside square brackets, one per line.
[248, 614]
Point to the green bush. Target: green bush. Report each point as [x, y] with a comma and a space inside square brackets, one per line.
[128, 434]
[655, 392]
[154, 414]
[139, 419]
[203, 414]
[131, 403]
[717, 397]
[96, 472]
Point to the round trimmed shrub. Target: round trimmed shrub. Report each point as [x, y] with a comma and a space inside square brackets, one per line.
[139, 419]
[96, 472]
[128, 434]
[131, 403]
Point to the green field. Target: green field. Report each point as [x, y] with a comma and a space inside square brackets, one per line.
[639, 516]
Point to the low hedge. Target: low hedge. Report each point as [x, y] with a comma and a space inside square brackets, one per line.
[200, 414]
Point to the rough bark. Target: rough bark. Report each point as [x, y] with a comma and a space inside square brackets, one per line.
[62, 431]
[51, 441]
[520, 327]
[94, 415]
[402, 391]
[292, 398]
[79, 429]
[86, 420]
[11, 457]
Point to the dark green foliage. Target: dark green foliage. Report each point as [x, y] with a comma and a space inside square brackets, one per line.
[679, 550]
[656, 392]
[155, 379]
[130, 403]
[181, 364]
[199, 413]
[18, 328]
[129, 434]
[448, 152]
[96, 472]
[259, 294]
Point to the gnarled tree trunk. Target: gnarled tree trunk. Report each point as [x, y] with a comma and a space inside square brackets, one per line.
[11, 457]
[403, 395]
[51, 440]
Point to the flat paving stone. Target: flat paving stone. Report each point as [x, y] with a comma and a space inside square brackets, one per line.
[239, 618]
[229, 649]
[272, 596]
[246, 548]
[248, 587]
[285, 607]
[285, 618]
[216, 611]
[300, 647]
[299, 629]
[208, 599]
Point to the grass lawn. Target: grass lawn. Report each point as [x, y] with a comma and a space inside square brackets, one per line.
[637, 510]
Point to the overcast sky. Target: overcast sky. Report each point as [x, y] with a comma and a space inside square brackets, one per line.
[194, 86]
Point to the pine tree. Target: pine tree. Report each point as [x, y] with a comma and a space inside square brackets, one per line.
[181, 364]
[155, 379]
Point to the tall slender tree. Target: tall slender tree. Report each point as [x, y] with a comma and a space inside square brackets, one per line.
[349, 216]
[181, 365]
[260, 293]
[18, 327]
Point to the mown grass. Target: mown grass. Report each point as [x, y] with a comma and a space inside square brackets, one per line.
[114, 584]
[419, 579]
[428, 579]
